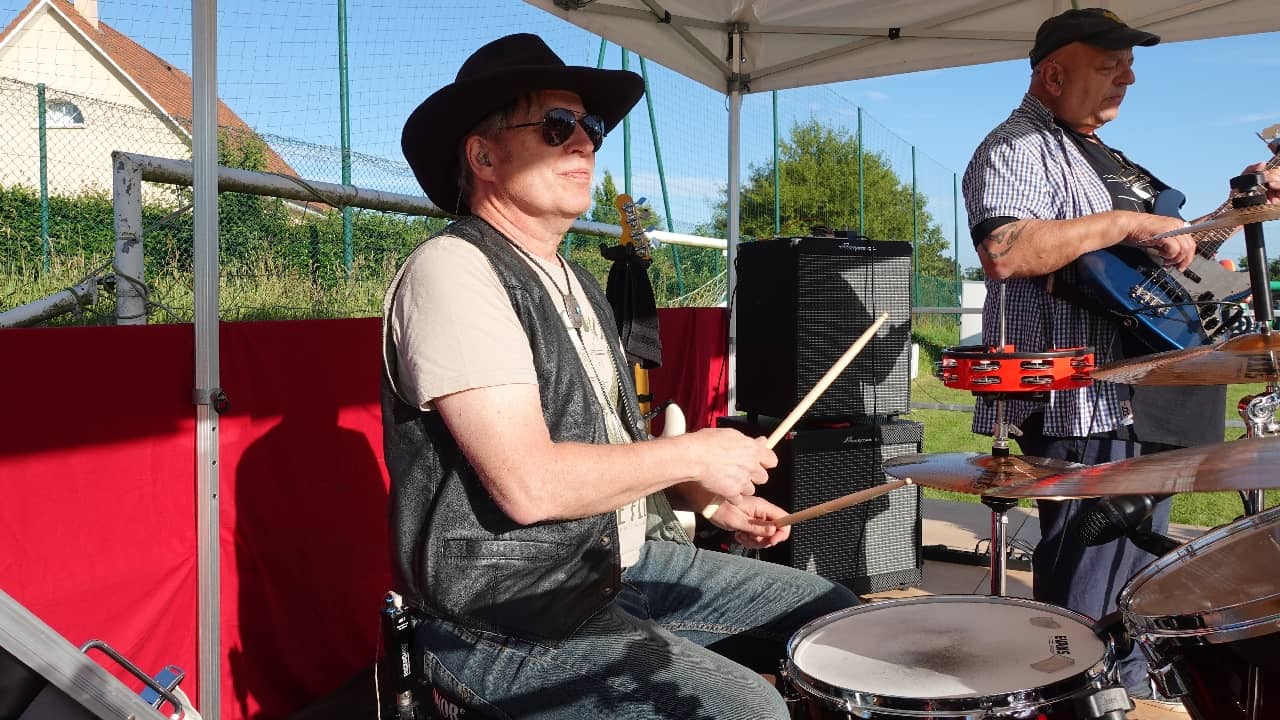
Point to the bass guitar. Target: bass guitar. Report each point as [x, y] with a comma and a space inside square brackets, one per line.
[1165, 308]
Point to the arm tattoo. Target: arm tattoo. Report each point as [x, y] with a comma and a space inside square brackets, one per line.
[1000, 241]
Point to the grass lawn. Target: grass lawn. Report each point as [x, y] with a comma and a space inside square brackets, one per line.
[948, 430]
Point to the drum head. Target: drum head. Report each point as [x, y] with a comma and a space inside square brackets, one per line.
[1225, 580]
[946, 646]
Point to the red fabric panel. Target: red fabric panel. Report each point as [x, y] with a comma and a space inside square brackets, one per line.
[97, 469]
[694, 369]
[305, 561]
[97, 523]
[97, 464]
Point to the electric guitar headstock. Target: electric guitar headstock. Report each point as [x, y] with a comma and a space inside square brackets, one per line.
[631, 218]
[1271, 136]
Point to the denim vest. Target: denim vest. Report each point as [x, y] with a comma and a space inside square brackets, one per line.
[456, 555]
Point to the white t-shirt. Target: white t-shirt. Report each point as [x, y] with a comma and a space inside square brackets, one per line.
[454, 329]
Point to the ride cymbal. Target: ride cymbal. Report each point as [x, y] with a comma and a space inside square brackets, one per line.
[1230, 218]
[1246, 358]
[1248, 464]
[973, 472]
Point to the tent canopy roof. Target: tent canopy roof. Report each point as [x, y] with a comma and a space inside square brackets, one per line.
[794, 43]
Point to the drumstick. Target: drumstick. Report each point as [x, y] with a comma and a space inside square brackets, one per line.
[841, 503]
[805, 403]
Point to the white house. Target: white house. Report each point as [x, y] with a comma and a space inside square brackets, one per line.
[103, 92]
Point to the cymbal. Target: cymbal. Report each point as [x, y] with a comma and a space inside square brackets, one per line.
[1248, 464]
[1249, 358]
[1230, 218]
[971, 472]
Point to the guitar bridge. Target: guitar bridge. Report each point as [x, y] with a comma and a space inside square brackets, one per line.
[1146, 297]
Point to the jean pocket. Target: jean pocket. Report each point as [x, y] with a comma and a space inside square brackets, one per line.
[450, 698]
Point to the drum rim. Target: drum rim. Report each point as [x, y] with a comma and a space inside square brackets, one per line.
[984, 352]
[1091, 677]
[1215, 625]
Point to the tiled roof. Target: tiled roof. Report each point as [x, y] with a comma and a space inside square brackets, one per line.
[170, 87]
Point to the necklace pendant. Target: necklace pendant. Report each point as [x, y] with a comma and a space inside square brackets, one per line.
[573, 310]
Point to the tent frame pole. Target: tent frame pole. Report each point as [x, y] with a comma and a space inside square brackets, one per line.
[735, 190]
[204, 156]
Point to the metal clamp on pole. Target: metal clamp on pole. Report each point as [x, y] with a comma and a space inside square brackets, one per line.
[215, 398]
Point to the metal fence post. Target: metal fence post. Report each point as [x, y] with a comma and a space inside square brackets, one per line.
[46, 252]
[915, 233]
[126, 204]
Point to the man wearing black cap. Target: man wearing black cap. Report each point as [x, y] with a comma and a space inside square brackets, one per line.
[529, 519]
[1041, 190]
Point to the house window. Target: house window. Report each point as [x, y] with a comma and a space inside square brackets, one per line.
[63, 114]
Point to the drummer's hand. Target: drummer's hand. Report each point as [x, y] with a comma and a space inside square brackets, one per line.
[750, 522]
[726, 462]
[1177, 251]
[1271, 182]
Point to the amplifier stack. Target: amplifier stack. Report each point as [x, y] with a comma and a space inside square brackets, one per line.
[799, 304]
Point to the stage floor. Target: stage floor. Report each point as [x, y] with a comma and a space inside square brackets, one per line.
[961, 526]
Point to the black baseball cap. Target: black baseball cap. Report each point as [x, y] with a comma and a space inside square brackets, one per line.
[1096, 26]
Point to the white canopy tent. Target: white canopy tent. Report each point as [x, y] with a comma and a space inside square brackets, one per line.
[733, 46]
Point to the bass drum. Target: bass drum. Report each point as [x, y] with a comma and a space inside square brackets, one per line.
[953, 657]
[1207, 616]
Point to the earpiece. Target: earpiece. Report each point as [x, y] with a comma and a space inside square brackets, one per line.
[483, 159]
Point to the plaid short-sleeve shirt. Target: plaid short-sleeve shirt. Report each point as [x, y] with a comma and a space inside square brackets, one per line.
[1027, 167]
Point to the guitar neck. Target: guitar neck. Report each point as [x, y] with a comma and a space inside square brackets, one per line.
[1208, 241]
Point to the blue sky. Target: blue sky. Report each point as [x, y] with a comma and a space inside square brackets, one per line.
[1191, 118]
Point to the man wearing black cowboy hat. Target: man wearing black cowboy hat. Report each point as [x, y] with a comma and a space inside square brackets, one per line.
[529, 510]
[1041, 190]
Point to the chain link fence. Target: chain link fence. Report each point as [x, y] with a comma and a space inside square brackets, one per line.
[290, 259]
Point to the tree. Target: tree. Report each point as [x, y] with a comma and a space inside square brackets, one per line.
[818, 169]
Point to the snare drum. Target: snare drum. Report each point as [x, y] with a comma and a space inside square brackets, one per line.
[956, 657]
[1207, 616]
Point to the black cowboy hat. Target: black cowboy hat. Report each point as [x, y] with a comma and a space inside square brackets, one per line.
[492, 77]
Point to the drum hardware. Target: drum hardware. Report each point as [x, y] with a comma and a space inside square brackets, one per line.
[1259, 415]
[996, 373]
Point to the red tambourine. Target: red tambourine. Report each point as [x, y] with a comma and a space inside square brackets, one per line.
[981, 369]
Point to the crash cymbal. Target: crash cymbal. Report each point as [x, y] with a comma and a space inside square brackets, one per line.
[1230, 218]
[1248, 464]
[973, 472]
[1247, 358]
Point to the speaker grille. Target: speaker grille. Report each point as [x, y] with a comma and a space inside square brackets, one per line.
[801, 303]
[869, 547]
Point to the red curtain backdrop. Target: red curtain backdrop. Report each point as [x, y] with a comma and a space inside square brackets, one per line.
[97, 466]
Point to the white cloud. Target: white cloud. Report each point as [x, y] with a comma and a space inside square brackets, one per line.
[877, 96]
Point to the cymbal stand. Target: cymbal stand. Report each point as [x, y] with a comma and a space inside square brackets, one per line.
[1000, 507]
[1259, 411]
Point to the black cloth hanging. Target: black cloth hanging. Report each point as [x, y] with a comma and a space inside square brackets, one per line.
[630, 294]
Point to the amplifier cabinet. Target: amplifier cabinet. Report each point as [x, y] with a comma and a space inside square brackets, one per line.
[800, 303]
[869, 547]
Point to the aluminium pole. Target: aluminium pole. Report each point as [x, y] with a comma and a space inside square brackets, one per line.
[204, 157]
[735, 189]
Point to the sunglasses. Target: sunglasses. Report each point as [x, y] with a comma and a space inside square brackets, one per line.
[558, 124]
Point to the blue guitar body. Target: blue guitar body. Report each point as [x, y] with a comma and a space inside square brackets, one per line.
[1164, 308]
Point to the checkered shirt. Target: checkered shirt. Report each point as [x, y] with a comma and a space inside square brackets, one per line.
[1027, 167]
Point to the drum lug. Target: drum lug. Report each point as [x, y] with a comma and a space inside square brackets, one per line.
[1169, 681]
[1110, 703]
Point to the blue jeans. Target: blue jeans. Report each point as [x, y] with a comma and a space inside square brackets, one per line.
[685, 638]
[1067, 573]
